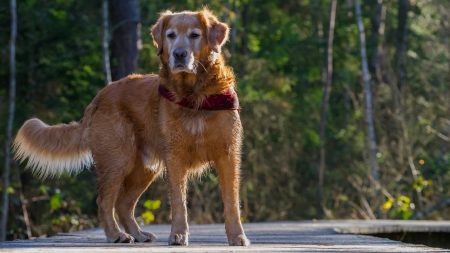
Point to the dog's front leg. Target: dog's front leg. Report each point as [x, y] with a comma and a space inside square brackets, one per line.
[228, 170]
[177, 186]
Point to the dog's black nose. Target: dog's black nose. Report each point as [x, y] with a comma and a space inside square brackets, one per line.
[179, 53]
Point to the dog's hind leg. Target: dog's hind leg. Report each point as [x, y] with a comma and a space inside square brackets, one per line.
[108, 191]
[133, 187]
[114, 160]
[113, 144]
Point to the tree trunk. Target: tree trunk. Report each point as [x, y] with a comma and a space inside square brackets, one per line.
[324, 109]
[105, 41]
[447, 28]
[244, 31]
[316, 19]
[378, 27]
[371, 139]
[402, 91]
[124, 44]
[26, 216]
[9, 122]
[403, 6]
[233, 34]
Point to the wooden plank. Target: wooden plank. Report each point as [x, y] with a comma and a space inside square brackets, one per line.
[306, 236]
[393, 226]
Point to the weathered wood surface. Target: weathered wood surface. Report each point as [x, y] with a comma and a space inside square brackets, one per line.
[305, 236]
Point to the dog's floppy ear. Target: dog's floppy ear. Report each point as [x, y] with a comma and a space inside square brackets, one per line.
[217, 36]
[217, 32]
[157, 31]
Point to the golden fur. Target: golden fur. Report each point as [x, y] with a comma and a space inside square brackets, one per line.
[131, 133]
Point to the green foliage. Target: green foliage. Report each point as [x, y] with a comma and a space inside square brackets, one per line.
[10, 190]
[399, 208]
[420, 183]
[148, 217]
[55, 201]
[150, 206]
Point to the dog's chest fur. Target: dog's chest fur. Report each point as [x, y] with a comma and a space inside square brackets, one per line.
[183, 124]
[194, 125]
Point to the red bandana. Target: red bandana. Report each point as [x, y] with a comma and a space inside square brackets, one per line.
[225, 101]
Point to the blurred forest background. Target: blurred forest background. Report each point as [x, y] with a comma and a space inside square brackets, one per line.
[345, 106]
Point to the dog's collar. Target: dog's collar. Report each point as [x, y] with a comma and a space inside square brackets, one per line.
[225, 101]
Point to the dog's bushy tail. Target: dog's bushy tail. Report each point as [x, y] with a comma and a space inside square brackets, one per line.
[52, 150]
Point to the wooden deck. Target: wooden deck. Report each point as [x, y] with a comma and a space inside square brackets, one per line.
[304, 236]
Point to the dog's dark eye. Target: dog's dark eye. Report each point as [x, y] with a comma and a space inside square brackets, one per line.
[194, 35]
[171, 35]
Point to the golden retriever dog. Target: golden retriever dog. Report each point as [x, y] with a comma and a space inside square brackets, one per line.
[180, 121]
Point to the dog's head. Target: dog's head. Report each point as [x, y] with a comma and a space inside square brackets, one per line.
[186, 39]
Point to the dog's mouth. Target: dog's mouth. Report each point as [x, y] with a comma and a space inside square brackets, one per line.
[180, 67]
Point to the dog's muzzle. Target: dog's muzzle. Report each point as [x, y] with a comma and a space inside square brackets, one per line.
[179, 56]
[181, 61]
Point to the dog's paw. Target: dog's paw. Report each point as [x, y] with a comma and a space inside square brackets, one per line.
[144, 237]
[240, 240]
[178, 239]
[121, 238]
